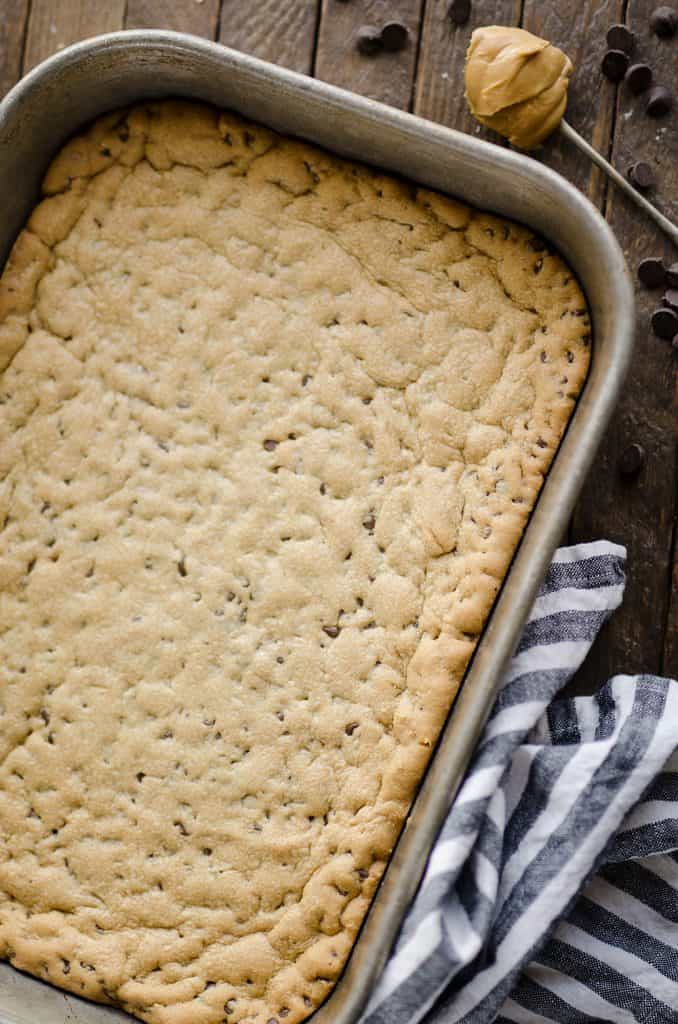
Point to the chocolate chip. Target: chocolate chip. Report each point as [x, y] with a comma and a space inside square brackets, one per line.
[651, 272]
[368, 40]
[332, 631]
[619, 37]
[369, 522]
[459, 11]
[394, 36]
[664, 22]
[351, 728]
[615, 63]
[638, 78]
[670, 299]
[631, 460]
[659, 102]
[665, 323]
[270, 445]
[641, 175]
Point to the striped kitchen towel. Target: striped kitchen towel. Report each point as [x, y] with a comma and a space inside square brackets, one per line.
[551, 894]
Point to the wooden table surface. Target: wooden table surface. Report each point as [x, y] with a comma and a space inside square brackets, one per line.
[318, 37]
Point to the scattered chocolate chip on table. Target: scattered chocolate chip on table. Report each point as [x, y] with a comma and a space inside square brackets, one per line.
[659, 102]
[664, 22]
[665, 323]
[615, 64]
[394, 36]
[619, 37]
[639, 78]
[368, 40]
[631, 460]
[642, 175]
[459, 11]
[651, 272]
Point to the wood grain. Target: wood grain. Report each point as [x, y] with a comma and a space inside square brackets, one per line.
[439, 90]
[640, 513]
[669, 666]
[197, 16]
[54, 24]
[386, 76]
[282, 31]
[578, 27]
[13, 18]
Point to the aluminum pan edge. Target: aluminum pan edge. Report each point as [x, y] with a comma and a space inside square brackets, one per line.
[90, 77]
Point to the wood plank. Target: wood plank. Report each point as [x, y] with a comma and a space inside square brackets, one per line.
[282, 31]
[578, 27]
[385, 76]
[54, 24]
[13, 18]
[197, 16]
[640, 513]
[669, 665]
[439, 90]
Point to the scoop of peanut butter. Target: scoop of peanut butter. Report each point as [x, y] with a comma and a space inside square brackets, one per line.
[516, 83]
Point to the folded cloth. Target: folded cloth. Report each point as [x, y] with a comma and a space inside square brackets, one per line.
[551, 893]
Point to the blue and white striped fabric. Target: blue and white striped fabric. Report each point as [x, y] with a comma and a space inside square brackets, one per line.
[552, 892]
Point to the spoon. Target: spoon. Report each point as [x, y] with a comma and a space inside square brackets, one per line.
[516, 84]
[667, 226]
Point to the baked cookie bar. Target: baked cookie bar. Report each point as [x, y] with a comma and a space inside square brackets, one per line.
[272, 425]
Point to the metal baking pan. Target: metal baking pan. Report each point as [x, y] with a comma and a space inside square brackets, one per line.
[91, 77]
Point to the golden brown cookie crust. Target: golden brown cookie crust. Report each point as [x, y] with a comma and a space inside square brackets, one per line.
[272, 424]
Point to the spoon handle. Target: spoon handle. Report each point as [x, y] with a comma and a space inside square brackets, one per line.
[667, 226]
